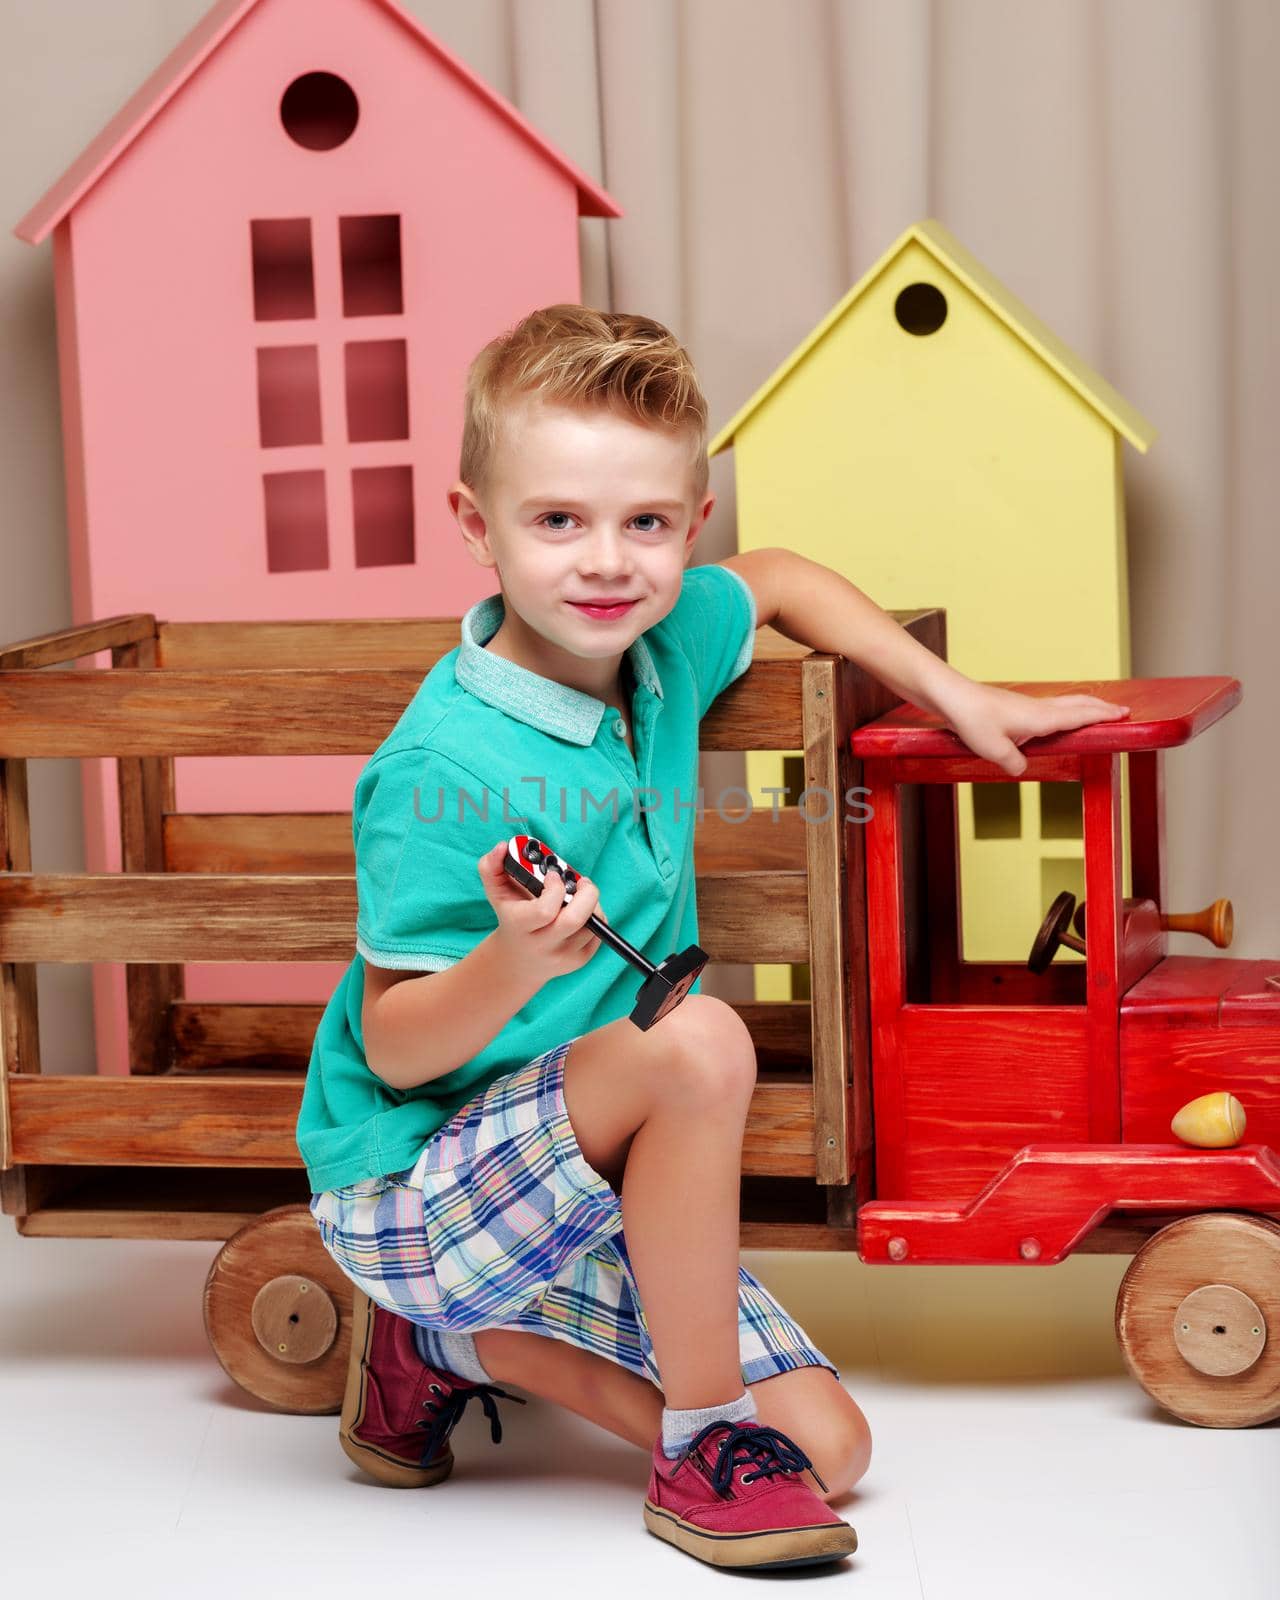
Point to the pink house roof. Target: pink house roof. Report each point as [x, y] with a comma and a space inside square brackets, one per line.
[186, 59]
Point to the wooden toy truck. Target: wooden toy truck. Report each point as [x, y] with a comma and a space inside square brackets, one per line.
[1018, 1107]
[878, 1123]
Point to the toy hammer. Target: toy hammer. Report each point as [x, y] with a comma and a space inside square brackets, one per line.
[528, 860]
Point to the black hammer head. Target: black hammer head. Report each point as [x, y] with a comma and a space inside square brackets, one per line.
[663, 990]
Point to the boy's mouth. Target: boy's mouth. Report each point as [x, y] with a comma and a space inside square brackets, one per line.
[603, 612]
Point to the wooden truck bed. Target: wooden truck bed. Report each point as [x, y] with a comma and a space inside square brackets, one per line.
[198, 1138]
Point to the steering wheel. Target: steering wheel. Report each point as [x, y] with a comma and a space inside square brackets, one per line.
[1053, 933]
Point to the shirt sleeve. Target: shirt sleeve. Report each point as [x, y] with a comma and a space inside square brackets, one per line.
[714, 621]
[420, 826]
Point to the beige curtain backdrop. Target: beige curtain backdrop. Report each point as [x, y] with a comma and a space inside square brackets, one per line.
[1112, 161]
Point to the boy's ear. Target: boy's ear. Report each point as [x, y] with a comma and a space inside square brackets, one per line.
[460, 496]
[702, 513]
[470, 518]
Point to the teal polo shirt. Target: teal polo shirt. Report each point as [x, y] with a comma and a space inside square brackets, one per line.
[487, 749]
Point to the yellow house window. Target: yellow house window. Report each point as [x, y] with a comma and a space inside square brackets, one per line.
[921, 308]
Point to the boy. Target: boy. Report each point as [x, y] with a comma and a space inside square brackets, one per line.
[481, 1117]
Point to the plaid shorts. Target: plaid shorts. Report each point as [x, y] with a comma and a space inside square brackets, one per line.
[501, 1223]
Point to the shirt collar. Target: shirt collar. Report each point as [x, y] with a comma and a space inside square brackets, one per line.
[541, 702]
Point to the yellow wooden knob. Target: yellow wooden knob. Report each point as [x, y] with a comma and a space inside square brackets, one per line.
[1211, 1122]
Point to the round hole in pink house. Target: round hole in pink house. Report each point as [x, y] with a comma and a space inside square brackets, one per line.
[319, 110]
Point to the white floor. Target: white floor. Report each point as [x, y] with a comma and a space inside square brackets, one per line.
[1013, 1455]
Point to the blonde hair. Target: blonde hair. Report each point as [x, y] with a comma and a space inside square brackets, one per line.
[578, 356]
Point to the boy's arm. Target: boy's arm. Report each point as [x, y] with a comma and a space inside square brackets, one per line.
[819, 607]
[417, 1028]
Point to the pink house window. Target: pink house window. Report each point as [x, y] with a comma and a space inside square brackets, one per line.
[283, 279]
[288, 395]
[371, 281]
[297, 529]
[375, 376]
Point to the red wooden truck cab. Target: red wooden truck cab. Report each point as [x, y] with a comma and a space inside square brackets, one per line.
[1015, 1110]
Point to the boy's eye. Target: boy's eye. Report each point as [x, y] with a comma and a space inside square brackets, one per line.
[641, 516]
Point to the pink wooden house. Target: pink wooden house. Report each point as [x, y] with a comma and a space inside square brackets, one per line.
[272, 268]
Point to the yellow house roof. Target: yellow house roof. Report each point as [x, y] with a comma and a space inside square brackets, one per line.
[948, 250]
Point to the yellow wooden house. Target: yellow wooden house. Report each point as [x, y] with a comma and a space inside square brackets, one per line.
[934, 442]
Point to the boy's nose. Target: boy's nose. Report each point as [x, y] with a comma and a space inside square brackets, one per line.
[606, 560]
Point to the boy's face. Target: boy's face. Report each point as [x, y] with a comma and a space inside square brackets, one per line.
[582, 505]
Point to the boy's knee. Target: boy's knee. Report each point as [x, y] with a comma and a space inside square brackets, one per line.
[859, 1450]
[841, 1450]
[710, 1020]
[710, 1045]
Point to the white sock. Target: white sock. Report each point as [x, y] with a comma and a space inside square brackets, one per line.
[453, 1352]
[679, 1427]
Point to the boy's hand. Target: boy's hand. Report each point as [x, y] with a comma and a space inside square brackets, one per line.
[544, 936]
[993, 722]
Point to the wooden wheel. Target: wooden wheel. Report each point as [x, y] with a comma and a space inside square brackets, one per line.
[1198, 1319]
[1053, 932]
[278, 1313]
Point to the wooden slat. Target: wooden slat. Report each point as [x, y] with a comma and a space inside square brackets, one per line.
[146, 791]
[758, 841]
[118, 1223]
[119, 1220]
[251, 1122]
[796, 1236]
[753, 916]
[779, 1029]
[410, 643]
[288, 842]
[320, 841]
[826, 698]
[214, 916]
[238, 1035]
[405, 644]
[169, 916]
[213, 1036]
[778, 1140]
[155, 711]
[322, 710]
[838, 698]
[19, 1020]
[19, 1016]
[156, 1121]
[71, 644]
[759, 711]
[173, 1199]
[136, 1202]
[284, 711]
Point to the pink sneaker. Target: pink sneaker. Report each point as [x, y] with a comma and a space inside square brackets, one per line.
[734, 1498]
[392, 1395]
